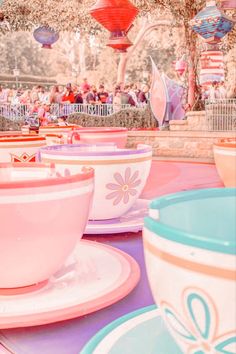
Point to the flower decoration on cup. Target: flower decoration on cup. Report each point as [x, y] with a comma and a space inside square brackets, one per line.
[124, 188]
[199, 328]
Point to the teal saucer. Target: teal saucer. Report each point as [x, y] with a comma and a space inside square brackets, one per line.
[139, 332]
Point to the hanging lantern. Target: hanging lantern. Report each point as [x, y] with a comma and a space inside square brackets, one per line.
[181, 66]
[228, 4]
[211, 24]
[46, 36]
[212, 67]
[117, 17]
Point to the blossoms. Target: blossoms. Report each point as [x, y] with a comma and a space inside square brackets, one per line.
[124, 188]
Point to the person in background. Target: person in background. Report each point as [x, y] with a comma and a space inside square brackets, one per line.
[132, 93]
[91, 97]
[126, 98]
[54, 96]
[25, 97]
[143, 96]
[214, 91]
[62, 121]
[68, 96]
[117, 98]
[85, 87]
[222, 90]
[102, 94]
[34, 96]
[16, 97]
[79, 98]
[44, 114]
[3, 95]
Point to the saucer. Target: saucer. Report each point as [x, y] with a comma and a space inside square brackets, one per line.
[132, 221]
[139, 332]
[94, 276]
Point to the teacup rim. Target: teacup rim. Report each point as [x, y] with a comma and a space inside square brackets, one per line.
[85, 174]
[100, 130]
[67, 150]
[20, 138]
[186, 238]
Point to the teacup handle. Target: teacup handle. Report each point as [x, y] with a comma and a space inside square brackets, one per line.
[71, 136]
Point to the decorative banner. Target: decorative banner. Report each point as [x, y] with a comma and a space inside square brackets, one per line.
[158, 95]
[175, 99]
[212, 67]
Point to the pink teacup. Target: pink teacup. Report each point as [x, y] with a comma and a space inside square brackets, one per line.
[43, 214]
[96, 135]
[62, 130]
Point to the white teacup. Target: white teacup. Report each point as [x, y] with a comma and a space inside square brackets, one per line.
[20, 148]
[120, 174]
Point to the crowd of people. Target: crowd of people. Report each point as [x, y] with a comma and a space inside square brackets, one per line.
[40, 102]
[216, 91]
[85, 93]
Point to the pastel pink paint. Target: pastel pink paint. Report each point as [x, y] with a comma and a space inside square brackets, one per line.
[43, 215]
[96, 135]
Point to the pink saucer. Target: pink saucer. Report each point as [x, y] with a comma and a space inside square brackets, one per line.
[95, 276]
[132, 221]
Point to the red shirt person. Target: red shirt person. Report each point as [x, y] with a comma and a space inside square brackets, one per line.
[68, 96]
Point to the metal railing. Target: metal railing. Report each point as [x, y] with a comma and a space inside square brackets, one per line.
[221, 114]
[22, 111]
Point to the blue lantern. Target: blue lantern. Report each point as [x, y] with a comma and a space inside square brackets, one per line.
[211, 24]
[46, 36]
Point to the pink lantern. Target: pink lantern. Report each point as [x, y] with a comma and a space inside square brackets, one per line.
[181, 66]
[228, 4]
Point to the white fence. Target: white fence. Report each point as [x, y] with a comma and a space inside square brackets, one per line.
[19, 112]
[221, 114]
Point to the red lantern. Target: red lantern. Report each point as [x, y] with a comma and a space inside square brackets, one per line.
[117, 17]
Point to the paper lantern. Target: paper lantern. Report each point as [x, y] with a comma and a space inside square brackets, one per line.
[46, 36]
[117, 17]
[211, 24]
[181, 66]
[212, 67]
[228, 4]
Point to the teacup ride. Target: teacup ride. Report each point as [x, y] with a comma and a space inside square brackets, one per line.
[120, 176]
[49, 273]
[94, 135]
[51, 138]
[189, 246]
[62, 131]
[20, 148]
[225, 160]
